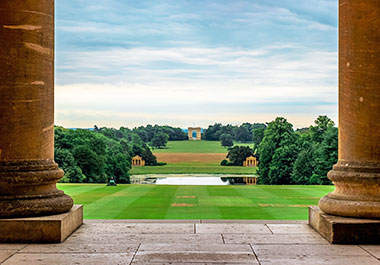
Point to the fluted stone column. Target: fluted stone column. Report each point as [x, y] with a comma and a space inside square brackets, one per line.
[356, 176]
[28, 173]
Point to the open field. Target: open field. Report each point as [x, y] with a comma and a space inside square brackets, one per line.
[192, 157]
[208, 158]
[195, 147]
[192, 167]
[195, 202]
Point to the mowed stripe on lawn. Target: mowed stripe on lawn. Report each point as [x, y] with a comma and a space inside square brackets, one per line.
[188, 204]
[196, 202]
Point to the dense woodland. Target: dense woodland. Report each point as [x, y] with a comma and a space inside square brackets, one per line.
[285, 156]
[244, 133]
[297, 157]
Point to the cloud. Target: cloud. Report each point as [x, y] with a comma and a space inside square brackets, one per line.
[143, 61]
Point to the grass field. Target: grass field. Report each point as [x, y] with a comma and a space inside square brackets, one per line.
[192, 167]
[195, 147]
[192, 157]
[195, 202]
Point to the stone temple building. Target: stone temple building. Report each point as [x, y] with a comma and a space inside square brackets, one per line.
[32, 209]
[250, 162]
[137, 161]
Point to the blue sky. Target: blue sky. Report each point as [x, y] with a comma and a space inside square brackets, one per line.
[194, 62]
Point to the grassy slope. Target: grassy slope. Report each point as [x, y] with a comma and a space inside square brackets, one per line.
[194, 147]
[191, 167]
[210, 202]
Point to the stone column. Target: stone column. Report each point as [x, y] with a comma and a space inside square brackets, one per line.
[28, 173]
[356, 176]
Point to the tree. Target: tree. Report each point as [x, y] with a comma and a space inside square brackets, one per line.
[213, 132]
[147, 155]
[66, 161]
[303, 167]
[258, 130]
[160, 140]
[281, 166]
[226, 140]
[322, 124]
[238, 154]
[278, 134]
[243, 133]
[326, 155]
[91, 164]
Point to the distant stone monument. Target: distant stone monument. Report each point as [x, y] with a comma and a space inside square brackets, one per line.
[137, 161]
[250, 162]
[194, 133]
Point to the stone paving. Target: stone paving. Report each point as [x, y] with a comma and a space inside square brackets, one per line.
[191, 242]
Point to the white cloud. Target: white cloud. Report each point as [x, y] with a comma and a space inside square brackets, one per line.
[180, 58]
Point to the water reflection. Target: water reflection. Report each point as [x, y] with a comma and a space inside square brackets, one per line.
[194, 179]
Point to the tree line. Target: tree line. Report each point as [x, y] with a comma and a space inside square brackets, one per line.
[227, 134]
[287, 156]
[94, 156]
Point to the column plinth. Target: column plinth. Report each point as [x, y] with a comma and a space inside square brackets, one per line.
[357, 190]
[28, 173]
[351, 213]
[356, 176]
[28, 188]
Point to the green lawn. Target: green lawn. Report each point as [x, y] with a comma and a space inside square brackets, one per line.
[184, 166]
[195, 147]
[188, 168]
[195, 202]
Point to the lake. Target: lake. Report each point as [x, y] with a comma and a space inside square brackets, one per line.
[193, 179]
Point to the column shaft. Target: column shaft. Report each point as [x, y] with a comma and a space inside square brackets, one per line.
[28, 174]
[356, 176]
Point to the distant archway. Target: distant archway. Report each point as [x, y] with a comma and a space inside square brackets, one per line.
[194, 133]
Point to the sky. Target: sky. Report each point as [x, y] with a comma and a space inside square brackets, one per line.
[194, 62]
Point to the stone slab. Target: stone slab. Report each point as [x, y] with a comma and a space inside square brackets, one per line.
[43, 229]
[199, 248]
[232, 229]
[131, 228]
[194, 254]
[80, 248]
[312, 254]
[374, 250]
[16, 247]
[233, 221]
[275, 239]
[291, 229]
[5, 255]
[321, 261]
[341, 230]
[312, 251]
[64, 259]
[188, 257]
[146, 238]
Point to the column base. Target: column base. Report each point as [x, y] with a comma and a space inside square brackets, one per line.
[44, 229]
[342, 230]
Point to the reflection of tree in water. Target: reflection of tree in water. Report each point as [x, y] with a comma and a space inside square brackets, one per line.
[233, 181]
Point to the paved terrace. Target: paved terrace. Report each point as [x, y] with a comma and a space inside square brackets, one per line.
[191, 242]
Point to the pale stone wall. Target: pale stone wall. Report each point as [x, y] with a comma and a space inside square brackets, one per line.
[198, 130]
